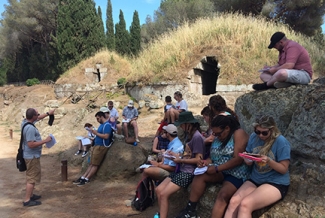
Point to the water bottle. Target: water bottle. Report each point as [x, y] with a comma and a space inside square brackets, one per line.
[135, 144]
[156, 215]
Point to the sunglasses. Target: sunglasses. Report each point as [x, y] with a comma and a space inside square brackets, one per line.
[165, 132]
[264, 133]
[217, 134]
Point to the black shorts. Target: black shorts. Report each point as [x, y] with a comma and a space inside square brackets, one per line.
[283, 189]
[181, 179]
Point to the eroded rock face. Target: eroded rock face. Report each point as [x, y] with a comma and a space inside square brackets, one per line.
[299, 113]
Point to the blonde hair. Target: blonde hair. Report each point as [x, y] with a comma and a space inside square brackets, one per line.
[267, 122]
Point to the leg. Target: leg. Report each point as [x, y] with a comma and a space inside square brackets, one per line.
[91, 172]
[87, 171]
[125, 129]
[161, 187]
[279, 76]
[29, 191]
[223, 198]
[136, 131]
[173, 115]
[232, 210]
[263, 196]
[199, 184]
[167, 116]
[119, 129]
[164, 196]
[79, 145]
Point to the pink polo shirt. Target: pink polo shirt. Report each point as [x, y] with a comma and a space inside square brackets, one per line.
[295, 53]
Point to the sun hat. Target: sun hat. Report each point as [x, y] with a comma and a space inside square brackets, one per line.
[275, 38]
[185, 117]
[104, 110]
[130, 103]
[171, 129]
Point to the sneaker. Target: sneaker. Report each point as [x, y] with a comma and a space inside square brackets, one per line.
[137, 140]
[84, 153]
[31, 203]
[187, 214]
[279, 85]
[35, 197]
[76, 182]
[78, 152]
[83, 182]
[261, 86]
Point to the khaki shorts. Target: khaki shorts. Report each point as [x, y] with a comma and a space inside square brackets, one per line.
[33, 172]
[97, 154]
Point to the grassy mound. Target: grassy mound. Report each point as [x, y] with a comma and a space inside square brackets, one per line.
[239, 43]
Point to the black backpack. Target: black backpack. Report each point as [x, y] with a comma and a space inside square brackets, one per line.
[144, 194]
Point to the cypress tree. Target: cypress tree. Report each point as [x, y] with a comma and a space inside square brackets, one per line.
[121, 36]
[101, 31]
[78, 36]
[110, 27]
[135, 34]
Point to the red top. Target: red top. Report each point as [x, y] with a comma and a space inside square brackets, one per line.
[295, 53]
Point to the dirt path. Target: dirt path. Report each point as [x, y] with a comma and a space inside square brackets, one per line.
[60, 199]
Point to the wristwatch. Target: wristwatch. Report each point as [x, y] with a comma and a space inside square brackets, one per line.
[48, 113]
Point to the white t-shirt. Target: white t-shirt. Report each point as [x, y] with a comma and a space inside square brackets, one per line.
[182, 105]
[113, 113]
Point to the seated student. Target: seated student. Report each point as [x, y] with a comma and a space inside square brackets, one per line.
[164, 122]
[160, 143]
[180, 106]
[224, 166]
[269, 180]
[161, 170]
[114, 116]
[102, 141]
[193, 151]
[130, 115]
[110, 120]
[84, 143]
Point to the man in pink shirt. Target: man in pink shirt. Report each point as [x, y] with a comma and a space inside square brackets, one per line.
[293, 67]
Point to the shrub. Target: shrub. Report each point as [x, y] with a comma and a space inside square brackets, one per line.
[121, 82]
[31, 82]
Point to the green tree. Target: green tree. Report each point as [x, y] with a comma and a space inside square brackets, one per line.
[78, 36]
[302, 16]
[101, 31]
[171, 14]
[110, 27]
[135, 34]
[27, 29]
[122, 36]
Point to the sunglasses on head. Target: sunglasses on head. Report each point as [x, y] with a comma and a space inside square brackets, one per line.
[264, 133]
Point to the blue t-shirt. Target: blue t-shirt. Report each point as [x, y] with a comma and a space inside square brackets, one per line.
[175, 146]
[280, 150]
[31, 133]
[104, 129]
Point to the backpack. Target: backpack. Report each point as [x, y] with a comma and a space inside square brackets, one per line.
[20, 161]
[144, 194]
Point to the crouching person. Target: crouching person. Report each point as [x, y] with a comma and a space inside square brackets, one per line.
[162, 169]
[103, 138]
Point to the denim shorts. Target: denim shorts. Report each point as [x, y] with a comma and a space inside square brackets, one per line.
[298, 76]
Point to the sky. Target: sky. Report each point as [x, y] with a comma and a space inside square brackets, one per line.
[144, 8]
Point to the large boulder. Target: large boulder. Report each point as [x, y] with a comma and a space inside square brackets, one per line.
[299, 113]
[120, 162]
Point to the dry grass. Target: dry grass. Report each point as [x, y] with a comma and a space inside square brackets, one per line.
[117, 67]
[239, 43]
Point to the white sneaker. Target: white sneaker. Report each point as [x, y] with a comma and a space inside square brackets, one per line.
[280, 85]
[137, 140]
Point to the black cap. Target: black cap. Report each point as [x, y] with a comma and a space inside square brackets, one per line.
[276, 37]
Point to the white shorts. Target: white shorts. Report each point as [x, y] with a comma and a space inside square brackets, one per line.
[298, 76]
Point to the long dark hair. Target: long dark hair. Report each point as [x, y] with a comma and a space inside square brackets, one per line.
[222, 122]
[218, 104]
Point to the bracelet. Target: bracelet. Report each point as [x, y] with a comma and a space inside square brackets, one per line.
[48, 113]
[216, 168]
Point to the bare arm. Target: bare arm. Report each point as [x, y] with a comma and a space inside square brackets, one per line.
[280, 167]
[42, 116]
[34, 144]
[240, 143]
